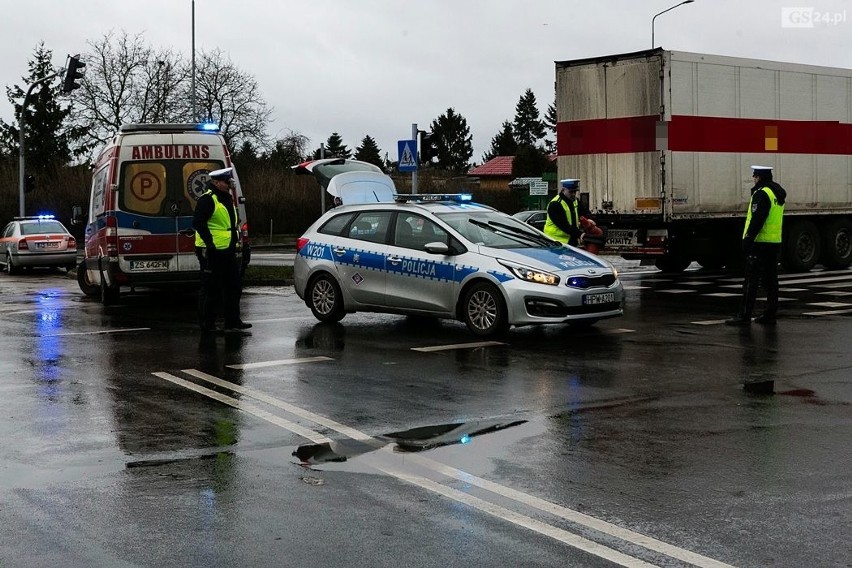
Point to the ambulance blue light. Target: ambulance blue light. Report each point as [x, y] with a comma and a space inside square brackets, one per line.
[209, 126]
[464, 439]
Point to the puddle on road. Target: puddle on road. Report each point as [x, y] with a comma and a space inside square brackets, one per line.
[478, 443]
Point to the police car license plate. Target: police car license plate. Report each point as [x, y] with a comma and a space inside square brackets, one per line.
[605, 298]
[149, 265]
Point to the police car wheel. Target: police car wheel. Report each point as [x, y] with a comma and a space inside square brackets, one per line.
[11, 268]
[484, 311]
[325, 299]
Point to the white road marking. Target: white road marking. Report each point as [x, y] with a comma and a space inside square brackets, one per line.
[636, 287]
[247, 407]
[831, 304]
[676, 291]
[708, 322]
[721, 294]
[827, 313]
[99, 332]
[458, 346]
[511, 516]
[279, 362]
[273, 320]
[817, 280]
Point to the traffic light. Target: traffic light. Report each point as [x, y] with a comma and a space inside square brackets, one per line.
[29, 183]
[72, 73]
[427, 148]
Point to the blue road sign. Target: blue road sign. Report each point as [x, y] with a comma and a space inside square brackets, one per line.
[407, 150]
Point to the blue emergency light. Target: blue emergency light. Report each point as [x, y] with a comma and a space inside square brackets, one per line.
[209, 126]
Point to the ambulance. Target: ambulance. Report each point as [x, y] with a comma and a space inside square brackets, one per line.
[138, 228]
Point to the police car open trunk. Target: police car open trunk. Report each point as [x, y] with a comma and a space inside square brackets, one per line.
[664, 141]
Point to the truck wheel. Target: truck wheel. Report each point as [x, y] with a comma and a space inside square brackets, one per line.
[83, 282]
[837, 244]
[325, 298]
[672, 263]
[801, 248]
[484, 311]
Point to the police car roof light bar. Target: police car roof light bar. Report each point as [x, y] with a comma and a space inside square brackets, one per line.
[455, 197]
[34, 218]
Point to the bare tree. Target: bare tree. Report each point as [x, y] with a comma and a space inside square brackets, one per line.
[127, 81]
[231, 98]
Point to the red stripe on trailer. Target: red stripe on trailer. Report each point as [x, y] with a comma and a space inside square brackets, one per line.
[704, 134]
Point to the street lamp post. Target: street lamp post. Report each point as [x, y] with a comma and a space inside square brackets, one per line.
[653, 45]
[192, 86]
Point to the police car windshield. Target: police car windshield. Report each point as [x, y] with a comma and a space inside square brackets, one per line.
[493, 229]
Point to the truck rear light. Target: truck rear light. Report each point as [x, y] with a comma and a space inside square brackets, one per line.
[301, 242]
[656, 236]
[244, 232]
[22, 245]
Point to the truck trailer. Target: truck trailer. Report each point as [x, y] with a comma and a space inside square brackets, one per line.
[664, 141]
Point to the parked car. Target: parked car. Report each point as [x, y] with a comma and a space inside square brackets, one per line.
[445, 256]
[40, 241]
[534, 218]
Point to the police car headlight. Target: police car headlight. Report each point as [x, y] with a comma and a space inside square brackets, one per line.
[531, 275]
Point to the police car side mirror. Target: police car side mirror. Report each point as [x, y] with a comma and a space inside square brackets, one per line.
[76, 215]
[436, 248]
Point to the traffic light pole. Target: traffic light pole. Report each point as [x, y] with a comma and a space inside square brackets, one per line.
[21, 148]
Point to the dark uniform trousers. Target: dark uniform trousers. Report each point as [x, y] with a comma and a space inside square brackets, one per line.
[220, 280]
[761, 265]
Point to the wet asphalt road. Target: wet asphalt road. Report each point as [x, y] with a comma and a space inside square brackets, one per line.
[131, 440]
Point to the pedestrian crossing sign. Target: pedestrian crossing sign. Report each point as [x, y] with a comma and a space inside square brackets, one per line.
[407, 155]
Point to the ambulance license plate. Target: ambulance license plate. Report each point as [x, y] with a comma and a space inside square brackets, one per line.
[149, 265]
[593, 299]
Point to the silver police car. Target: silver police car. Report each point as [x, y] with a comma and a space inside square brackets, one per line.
[447, 257]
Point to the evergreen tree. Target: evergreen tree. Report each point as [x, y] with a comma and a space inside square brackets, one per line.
[550, 123]
[246, 158]
[503, 143]
[529, 128]
[334, 148]
[369, 151]
[531, 161]
[452, 141]
[47, 138]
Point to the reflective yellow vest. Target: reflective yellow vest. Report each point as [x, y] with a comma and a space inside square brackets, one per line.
[219, 224]
[771, 230]
[550, 228]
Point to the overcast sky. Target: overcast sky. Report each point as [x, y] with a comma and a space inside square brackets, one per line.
[374, 67]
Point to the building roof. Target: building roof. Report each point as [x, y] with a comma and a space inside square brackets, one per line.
[498, 166]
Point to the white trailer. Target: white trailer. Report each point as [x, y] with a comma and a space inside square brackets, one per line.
[664, 140]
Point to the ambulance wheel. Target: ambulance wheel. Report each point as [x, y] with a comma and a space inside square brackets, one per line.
[83, 282]
[484, 311]
[109, 294]
[837, 245]
[325, 298]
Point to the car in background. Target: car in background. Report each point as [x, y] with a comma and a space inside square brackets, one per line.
[447, 257]
[533, 218]
[40, 241]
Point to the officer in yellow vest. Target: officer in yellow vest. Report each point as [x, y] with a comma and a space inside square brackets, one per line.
[762, 247]
[563, 214]
[216, 236]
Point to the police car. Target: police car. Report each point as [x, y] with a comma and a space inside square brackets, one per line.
[39, 241]
[447, 257]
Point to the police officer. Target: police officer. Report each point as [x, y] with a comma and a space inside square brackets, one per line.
[215, 224]
[762, 246]
[563, 214]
